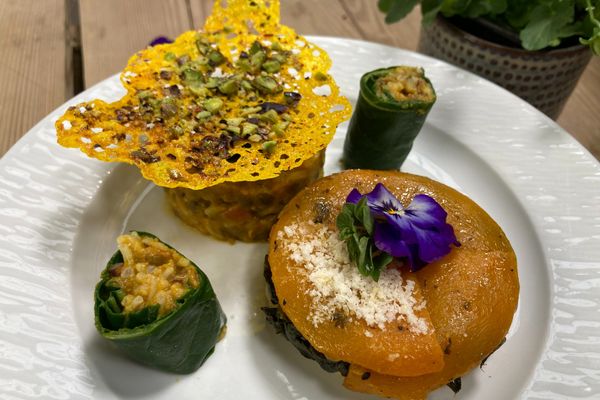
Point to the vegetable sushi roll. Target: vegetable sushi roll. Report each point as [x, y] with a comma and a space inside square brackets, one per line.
[157, 306]
[391, 109]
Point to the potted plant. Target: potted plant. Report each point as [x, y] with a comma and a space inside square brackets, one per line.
[537, 49]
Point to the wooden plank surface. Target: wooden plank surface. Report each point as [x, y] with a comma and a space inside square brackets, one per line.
[307, 17]
[581, 115]
[32, 66]
[113, 30]
[369, 21]
[39, 68]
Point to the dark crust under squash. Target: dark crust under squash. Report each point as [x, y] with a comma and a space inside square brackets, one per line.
[283, 325]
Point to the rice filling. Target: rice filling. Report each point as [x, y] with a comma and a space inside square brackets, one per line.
[151, 274]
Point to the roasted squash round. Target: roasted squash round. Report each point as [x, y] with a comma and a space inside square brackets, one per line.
[467, 299]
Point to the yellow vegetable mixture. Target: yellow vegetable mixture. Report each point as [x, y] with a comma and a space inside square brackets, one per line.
[151, 273]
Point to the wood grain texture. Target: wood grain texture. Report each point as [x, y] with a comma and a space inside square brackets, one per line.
[307, 17]
[113, 30]
[581, 115]
[38, 68]
[32, 77]
[369, 21]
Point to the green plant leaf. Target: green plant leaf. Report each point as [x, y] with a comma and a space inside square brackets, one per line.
[385, 5]
[345, 222]
[429, 10]
[395, 10]
[451, 8]
[477, 8]
[547, 22]
[354, 252]
[591, 26]
[367, 220]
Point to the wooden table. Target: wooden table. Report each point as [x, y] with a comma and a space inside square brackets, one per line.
[53, 49]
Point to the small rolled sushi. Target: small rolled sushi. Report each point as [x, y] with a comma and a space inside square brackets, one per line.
[391, 109]
[411, 330]
[157, 306]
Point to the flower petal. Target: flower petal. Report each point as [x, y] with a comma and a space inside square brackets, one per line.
[418, 233]
[432, 244]
[160, 40]
[385, 238]
[354, 196]
[381, 201]
[424, 211]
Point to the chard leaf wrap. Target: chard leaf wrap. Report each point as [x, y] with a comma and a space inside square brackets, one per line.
[177, 342]
[383, 127]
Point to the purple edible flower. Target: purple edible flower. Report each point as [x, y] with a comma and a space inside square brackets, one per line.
[418, 232]
[160, 40]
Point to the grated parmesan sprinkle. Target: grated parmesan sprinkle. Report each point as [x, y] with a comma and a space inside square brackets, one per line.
[339, 286]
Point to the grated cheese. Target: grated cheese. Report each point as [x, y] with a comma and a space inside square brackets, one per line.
[337, 285]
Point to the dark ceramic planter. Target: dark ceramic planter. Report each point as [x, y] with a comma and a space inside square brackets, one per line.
[545, 79]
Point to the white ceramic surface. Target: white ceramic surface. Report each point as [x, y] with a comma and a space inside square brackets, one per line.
[60, 213]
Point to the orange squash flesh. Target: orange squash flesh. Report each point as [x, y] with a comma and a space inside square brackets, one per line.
[471, 300]
[395, 350]
[471, 294]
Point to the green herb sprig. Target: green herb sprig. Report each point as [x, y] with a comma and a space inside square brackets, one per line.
[355, 224]
[539, 23]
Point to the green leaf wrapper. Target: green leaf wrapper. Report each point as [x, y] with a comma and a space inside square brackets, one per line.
[178, 342]
[382, 130]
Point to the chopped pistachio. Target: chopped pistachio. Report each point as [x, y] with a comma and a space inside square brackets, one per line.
[266, 84]
[257, 60]
[249, 129]
[286, 117]
[255, 138]
[212, 83]
[170, 56]
[246, 85]
[144, 94]
[250, 110]
[191, 75]
[215, 57]
[177, 130]
[271, 66]
[255, 48]
[234, 121]
[199, 89]
[244, 64]
[213, 105]
[269, 116]
[276, 46]
[230, 86]
[202, 46]
[280, 58]
[233, 129]
[203, 114]
[280, 127]
[168, 109]
[321, 76]
[269, 146]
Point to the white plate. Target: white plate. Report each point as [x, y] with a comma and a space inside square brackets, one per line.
[61, 213]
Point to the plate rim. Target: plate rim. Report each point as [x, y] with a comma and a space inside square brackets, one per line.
[30, 143]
